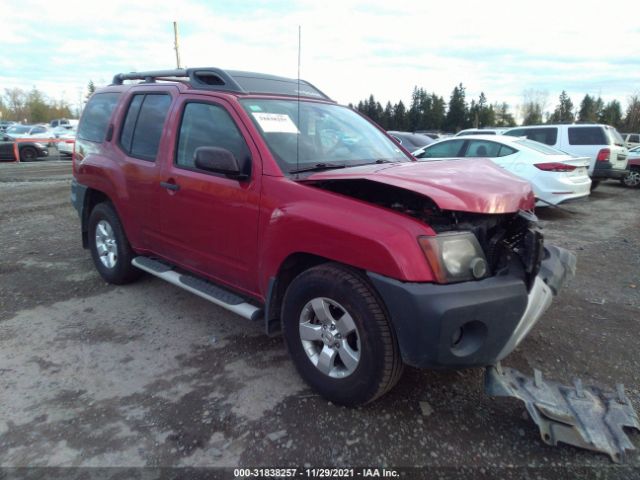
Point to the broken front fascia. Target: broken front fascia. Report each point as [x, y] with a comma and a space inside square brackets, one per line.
[586, 417]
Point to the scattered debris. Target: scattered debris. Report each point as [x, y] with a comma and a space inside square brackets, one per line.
[426, 409]
[275, 436]
[584, 416]
[597, 301]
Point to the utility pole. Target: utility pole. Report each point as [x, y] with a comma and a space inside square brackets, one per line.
[175, 44]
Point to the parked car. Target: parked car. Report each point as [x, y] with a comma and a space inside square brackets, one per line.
[410, 141]
[65, 147]
[4, 124]
[284, 207]
[555, 176]
[480, 131]
[601, 143]
[631, 139]
[28, 151]
[63, 121]
[62, 130]
[632, 179]
[37, 132]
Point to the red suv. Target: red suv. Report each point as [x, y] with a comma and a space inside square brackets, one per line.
[265, 197]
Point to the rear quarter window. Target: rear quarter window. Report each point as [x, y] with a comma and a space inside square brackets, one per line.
[142, 130]
[547, 135]
[95, 119]
[587, 136]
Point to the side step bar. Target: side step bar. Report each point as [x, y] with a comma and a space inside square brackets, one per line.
[209, 291]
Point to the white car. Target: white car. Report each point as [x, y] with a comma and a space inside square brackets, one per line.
[481, 131]
[554, 175]
[68, 138]
[601, 143]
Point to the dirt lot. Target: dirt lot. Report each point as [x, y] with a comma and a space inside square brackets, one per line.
[147, 374]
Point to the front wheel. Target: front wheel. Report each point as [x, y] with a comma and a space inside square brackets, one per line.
[631, 179]
[339, 336]
[109, 246]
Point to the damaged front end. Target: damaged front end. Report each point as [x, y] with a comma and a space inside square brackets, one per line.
[480, 319]
[472, 317]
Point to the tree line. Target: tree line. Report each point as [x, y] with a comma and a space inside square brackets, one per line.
[428, 111]
[31, 106]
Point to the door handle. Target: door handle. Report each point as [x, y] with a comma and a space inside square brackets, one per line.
[170, 186]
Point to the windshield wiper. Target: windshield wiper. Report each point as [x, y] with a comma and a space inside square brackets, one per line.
[319, 166]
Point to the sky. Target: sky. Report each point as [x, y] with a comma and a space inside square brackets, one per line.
[349, 48]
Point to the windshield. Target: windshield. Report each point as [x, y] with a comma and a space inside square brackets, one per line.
[539, 147]
[325, 136]
[18, 129]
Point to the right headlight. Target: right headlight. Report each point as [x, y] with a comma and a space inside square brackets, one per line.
[455, 256]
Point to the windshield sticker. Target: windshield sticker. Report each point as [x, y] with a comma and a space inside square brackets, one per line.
[255, 108]
[275, 122]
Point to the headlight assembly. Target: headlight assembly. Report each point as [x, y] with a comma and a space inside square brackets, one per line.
[455, 256]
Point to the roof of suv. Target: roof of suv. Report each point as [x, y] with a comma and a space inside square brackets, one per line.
[231, 81]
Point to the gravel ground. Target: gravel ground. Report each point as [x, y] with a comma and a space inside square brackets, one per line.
[149, 375]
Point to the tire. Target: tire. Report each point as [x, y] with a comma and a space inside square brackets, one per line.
[109, 246]
[28, 154]
[594, 184]
[632, 179]
[339, 294]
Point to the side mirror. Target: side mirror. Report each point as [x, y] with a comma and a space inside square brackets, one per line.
[218, 160]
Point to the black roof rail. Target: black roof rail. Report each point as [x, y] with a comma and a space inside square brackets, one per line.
[198, 77]
[210, 78]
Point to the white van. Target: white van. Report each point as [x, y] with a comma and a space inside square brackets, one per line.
[601, 143]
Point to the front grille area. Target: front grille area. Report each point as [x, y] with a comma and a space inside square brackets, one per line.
[515, 238]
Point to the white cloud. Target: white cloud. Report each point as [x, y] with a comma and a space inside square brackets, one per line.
[350, 48]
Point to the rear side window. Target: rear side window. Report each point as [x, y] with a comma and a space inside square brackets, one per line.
[207, 125]
[482, 148]
[587, 136]
[547, 135]
[97, 113]
[633, 138]
[446, 149]
[143, 125]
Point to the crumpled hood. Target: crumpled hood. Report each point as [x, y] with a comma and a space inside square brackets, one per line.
[465, 185]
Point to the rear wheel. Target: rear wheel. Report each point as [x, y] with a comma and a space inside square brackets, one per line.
[632, 179]
[28, 154]
[109, 246]
[339, 336]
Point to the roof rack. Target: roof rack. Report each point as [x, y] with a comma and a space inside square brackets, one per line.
[210, 78]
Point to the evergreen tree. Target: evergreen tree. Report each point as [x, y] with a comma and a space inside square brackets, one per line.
[91, 88]
[456, 118]
[564, 110]
[588, 109]
[611, 114]
[386, 121]
[400, 117]
[436, 118]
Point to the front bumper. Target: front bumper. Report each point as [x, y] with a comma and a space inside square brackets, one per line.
[470, 324]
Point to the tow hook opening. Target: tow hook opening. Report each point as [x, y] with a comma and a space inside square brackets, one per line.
[588, 417]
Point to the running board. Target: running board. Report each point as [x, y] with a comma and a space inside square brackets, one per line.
[583, 416]
[207, 290]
